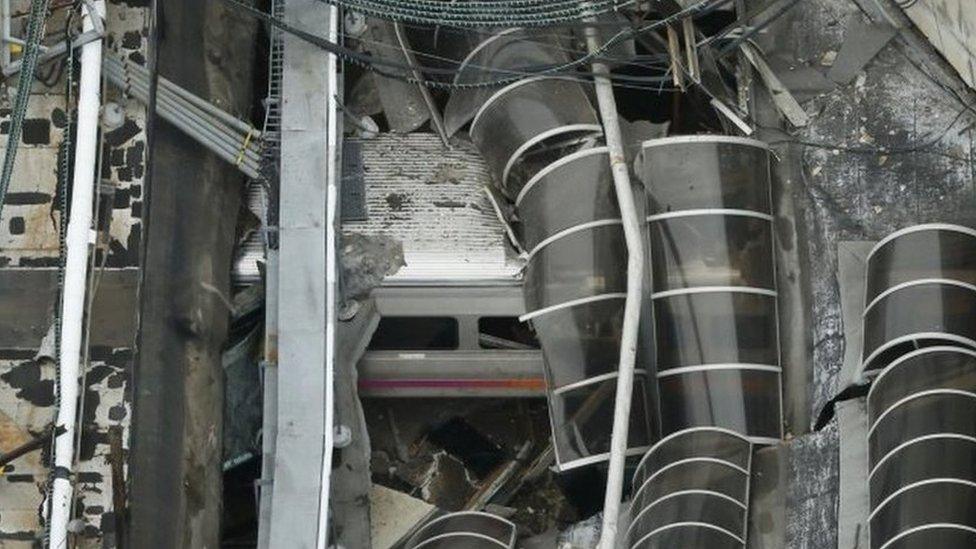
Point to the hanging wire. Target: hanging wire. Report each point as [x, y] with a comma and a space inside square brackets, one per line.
[374, 64]
[538, 37]
[622, 81]
[461, 15]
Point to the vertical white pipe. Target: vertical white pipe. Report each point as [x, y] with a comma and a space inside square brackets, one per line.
[331, 280]
[632, 307]
[5, 32]
[76, 274]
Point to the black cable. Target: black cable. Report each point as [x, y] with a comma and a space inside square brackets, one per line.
[370, 63]
[619, 79]
[925, 147]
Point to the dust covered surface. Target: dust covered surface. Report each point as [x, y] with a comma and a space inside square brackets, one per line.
[891, 149]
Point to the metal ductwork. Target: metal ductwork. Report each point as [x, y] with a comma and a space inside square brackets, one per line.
[922, 450]
[710, 226]
[921, 291]
[541, 139]
[919, 334]
[502, 55]
[467, 530]
[692, 490]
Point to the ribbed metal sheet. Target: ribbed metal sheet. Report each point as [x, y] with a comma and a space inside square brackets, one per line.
[433, 200]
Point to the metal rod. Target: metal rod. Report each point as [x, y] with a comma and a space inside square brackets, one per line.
[635, 281]
[28, 446]
[435, 115]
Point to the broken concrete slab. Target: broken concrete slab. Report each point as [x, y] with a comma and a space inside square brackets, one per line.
[804, 81]
[394, 515]
[862, 42]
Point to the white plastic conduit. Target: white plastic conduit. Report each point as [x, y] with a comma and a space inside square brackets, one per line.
[632, 307]
[76, 273]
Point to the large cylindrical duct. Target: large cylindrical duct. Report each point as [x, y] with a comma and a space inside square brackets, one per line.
[464, 530]
[542, 141]
[692, 490]
[504, 55]
[714, 285]
[921, 291]
[919, 333]
[922, 450]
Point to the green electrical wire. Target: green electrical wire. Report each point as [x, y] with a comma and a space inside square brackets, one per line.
[35, 31]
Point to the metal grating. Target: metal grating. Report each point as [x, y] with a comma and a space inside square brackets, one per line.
[262, 193]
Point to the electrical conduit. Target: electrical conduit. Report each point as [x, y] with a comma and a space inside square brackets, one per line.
[75, 275]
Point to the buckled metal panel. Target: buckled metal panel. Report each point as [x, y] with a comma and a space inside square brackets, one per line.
[540, 138]
[499, 56]
[922, 450]
[692, 488]
[563, 196]
[574, 286]
[581, 342]
[921, 291]
[715, 300]
[550, 114]
[465, 530]
[934, 251]
[919, 315]
[582, 415]
[580, 265]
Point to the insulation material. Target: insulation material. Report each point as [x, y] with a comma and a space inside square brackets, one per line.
[432, 200]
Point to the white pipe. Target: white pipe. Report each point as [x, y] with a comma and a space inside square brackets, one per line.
[333, 133]
[75, 274]
[632, 306]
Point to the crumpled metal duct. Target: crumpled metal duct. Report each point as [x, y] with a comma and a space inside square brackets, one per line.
[714, 284]
[540, 137]
[919, 334]
[692, 490]
[469, 529]
[922, 450]
[921, 291]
